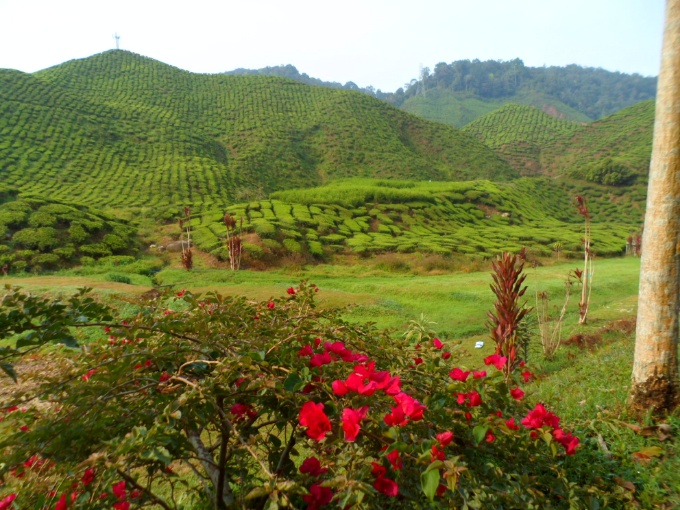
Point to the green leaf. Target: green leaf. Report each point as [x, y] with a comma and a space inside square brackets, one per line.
[430, 481]
[9, 370]
[292, 382]
[479, 433]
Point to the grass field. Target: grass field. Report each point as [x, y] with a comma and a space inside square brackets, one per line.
[457, 303]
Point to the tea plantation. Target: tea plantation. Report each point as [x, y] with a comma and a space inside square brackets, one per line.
[474, 217]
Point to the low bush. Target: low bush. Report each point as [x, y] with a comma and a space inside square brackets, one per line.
[279, 404]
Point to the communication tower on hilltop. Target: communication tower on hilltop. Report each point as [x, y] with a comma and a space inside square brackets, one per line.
[117, 38]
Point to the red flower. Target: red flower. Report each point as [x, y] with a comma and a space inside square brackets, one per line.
[88, 375]
[468, 416]
[339, 388]
[378, 470]
[458, 375]
[318, 496]
[305, 351]
[119, 490]
[437, 454]
[395, 460]
[316, 421]
[121, 505]
[496, 360]
[566, 439]
[511, 424]
[23, 428]
[242, 410]
[355, 382]
[396, 417]
[319, 360]
[517, 394]
[386, 486]
[12, 409]
[437, 343]
[418, 361]
[479, 375]
[527, 375]
[88, 477]
[164, 377]
[312, 467]
[61, 504]
[441, 490]
[411, 407]
[135, 494]
[490, 438]
[6, 502]
[181, 293]
[270, 305]
[350, 422]
[445, 438]
[291, 291]
[539, 416]
[473, 398]
[446, 355]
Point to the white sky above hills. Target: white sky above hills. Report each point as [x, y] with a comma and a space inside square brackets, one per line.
[370, 42]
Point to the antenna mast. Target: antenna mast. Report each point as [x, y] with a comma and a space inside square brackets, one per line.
[117, 38]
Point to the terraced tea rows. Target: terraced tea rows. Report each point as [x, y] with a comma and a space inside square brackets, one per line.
[38, 233]
[480, 217]
[535, 143]
[118, 129]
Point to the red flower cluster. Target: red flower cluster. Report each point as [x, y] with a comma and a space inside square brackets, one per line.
[316, 421]
[517, 393]
[241, 411]
[437, 343]
[332, 352]
[7, 502]
[496, 360]
[539, 417]
[311, 466]
[473, 398]
[318, 496]
[383, 484]
[88, 374]
[365, 380]
[458, 375]
[351, 418]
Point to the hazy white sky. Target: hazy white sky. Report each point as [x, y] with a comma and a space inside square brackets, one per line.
[371, 42]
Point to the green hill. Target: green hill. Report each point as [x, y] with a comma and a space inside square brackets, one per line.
[473, 217]
[118, 130]
[459, 108]
[623, 139]
[614, 150]
[519, 133]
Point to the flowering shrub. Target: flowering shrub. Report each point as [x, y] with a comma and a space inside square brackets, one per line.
[238, 404]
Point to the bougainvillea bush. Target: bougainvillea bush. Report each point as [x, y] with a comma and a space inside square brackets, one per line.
[215, 402]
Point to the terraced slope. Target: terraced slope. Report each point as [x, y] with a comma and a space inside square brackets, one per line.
[624, 138]
[39, 233]
[118, 130]
[520, 133]
[458, 109]
[614, 150]
[474, 217]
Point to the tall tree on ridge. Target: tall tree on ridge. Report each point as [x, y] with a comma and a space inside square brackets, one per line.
[655, 369]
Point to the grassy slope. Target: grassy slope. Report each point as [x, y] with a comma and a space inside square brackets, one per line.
[458, 109]
[476, 217]
[122, 130]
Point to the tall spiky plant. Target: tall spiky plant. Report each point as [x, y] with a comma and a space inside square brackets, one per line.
[508, 312]
[234, 245]
[187, 258]
[587, 275]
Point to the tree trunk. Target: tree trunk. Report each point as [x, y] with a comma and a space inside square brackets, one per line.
[655, 368]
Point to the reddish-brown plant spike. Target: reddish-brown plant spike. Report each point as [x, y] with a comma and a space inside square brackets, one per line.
[229, 221]
[187, 259]
[187, 211]
[508, 312]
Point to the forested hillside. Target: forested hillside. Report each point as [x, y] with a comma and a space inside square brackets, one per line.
[119, 129]
[459, 92]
